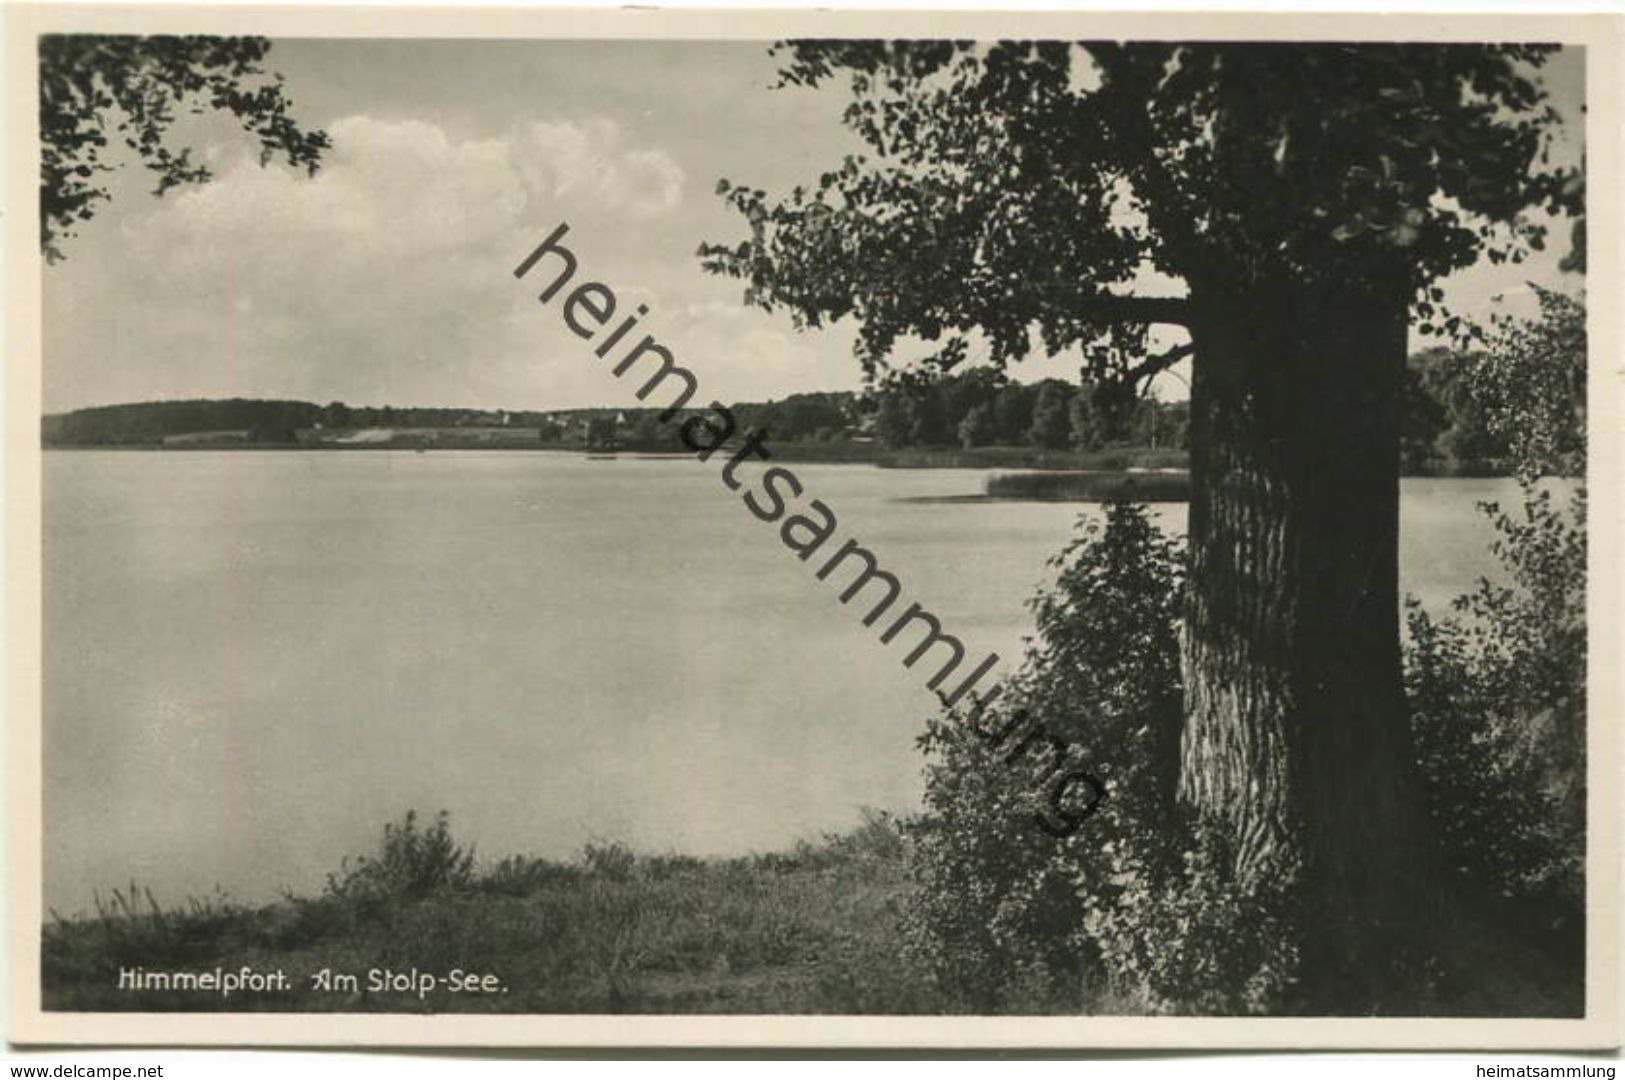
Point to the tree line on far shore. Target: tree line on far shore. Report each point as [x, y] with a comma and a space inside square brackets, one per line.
[1445, 424]
[1445, 421]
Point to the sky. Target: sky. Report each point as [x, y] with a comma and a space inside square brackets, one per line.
[386, 278]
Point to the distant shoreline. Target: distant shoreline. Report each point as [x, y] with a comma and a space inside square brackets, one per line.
[1130, 461]
[798, 452]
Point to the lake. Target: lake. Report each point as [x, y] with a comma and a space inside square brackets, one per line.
[254, 660]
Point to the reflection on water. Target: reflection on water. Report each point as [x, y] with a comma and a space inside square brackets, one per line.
[254, 660]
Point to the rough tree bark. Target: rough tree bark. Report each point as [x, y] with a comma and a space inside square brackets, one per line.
[1296, 737]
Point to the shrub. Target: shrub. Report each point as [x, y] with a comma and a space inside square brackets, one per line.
[1530, 387]
[1498, 687]
[1497, 693]
[411, 863]
[612, 860]
[878, 838]
[517, 875]
[1136, 910]
[1132, 907]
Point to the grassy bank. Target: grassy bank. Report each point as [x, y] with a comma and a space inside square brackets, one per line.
[814, 930]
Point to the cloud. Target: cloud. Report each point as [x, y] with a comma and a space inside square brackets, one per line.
[405, 184]
[568, 158]
[382, 278]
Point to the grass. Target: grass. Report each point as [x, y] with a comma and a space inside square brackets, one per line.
[813, 930]
[819, 929]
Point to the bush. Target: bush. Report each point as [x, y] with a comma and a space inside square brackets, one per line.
[877, 839]
[1498, 687]
[1497, 693]
[1132, 909]
[1531, 387]
[517, 875]
[1136, 910]
[411, 864]
[612, 859]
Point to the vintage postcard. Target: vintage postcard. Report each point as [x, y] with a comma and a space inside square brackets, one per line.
[816, 529]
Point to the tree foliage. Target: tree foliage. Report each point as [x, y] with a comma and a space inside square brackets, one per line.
[980, 427]
[1517, 404]
[98, 90]
[1050, 414]
[152, 421]
[1052, 424]
[1531, 386]
[1448, 415]
[1020, 186]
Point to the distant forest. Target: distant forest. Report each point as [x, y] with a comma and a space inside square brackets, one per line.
[1445, 428]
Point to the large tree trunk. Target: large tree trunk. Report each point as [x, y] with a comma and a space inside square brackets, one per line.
[1296, 737]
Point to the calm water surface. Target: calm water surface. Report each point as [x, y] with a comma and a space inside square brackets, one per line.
[252, 661]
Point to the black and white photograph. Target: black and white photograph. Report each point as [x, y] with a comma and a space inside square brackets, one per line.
[623, 519]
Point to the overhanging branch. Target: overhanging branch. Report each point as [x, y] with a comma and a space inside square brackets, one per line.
[1155, 365]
